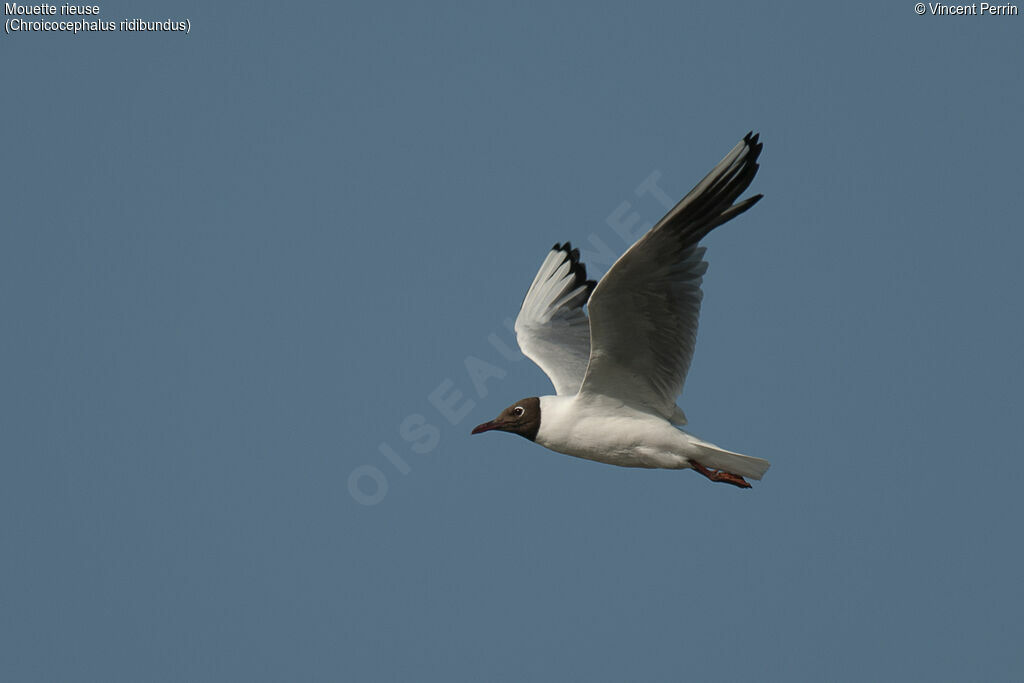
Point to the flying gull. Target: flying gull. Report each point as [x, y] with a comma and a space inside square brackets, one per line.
[617, 373]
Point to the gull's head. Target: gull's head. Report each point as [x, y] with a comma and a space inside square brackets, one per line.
[522, 418]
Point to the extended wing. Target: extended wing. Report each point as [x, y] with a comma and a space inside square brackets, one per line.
[643, 314]
[552, 328]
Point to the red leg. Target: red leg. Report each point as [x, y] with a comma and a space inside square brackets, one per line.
[718, 475]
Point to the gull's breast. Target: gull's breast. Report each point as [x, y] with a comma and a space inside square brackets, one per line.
[608, 431]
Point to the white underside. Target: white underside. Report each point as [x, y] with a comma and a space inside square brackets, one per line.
[603, 429]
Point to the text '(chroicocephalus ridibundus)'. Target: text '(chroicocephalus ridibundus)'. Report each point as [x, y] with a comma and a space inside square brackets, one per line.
[617, 375]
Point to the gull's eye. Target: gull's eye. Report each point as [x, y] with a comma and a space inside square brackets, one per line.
[518, 411]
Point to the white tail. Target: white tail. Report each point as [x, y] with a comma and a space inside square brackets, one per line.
[733, 463]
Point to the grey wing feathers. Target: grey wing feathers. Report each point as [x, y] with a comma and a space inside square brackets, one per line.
[552, 329]
[644, 313]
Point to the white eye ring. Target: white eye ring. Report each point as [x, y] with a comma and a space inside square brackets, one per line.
[518, 411]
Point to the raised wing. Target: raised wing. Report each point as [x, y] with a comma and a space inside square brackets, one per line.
[552, 328]
[643, 314]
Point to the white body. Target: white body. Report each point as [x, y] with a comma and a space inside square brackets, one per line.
[603, 429]
[606, 430]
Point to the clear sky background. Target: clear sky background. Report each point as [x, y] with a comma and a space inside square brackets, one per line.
[234, 263]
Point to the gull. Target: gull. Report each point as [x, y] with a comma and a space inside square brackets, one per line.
[617, 372]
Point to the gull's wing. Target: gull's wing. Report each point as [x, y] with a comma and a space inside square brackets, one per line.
[643, 314]
[552, 328]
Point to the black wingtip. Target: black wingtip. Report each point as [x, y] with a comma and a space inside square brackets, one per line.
[748, 202]
[752, 141]
[578, 270]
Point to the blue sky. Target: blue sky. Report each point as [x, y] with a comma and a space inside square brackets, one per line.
[236, 266]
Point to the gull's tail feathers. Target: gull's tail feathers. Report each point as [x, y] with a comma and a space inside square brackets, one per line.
[727, 461]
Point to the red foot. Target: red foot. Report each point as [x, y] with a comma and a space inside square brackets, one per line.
[718, 475]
